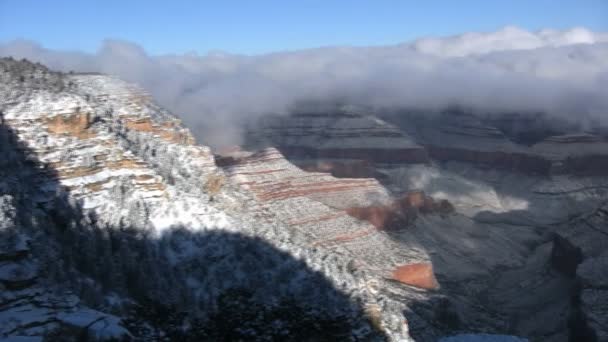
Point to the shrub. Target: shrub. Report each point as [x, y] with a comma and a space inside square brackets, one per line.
[214, 184]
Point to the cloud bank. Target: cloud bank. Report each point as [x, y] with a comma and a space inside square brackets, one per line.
[561, 73]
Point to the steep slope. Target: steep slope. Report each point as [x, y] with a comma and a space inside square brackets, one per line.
[348, 216]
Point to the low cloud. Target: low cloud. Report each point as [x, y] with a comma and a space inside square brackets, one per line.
[561, 73]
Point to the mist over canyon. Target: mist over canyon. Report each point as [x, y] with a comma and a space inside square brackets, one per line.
[563, 74]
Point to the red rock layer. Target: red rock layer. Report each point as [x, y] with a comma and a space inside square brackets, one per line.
[169, 131]
[74, 124]
[419, 275]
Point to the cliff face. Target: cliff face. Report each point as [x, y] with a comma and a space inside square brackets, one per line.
[399, 229]
[337, 133]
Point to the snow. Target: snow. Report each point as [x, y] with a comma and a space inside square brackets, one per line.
[46, 104]
[103, 175]
[188, 212]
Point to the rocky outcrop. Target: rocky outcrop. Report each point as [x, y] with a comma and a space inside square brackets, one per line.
[401, 212]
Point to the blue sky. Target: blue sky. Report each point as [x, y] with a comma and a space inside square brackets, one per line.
[254, 27]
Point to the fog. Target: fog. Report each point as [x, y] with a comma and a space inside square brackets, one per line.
[561, 73]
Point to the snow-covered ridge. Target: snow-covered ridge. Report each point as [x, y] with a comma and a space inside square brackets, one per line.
[126, 162]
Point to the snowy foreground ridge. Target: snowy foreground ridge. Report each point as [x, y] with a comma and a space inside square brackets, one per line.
[341, 225]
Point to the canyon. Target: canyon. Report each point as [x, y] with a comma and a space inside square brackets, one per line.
[415, 225]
